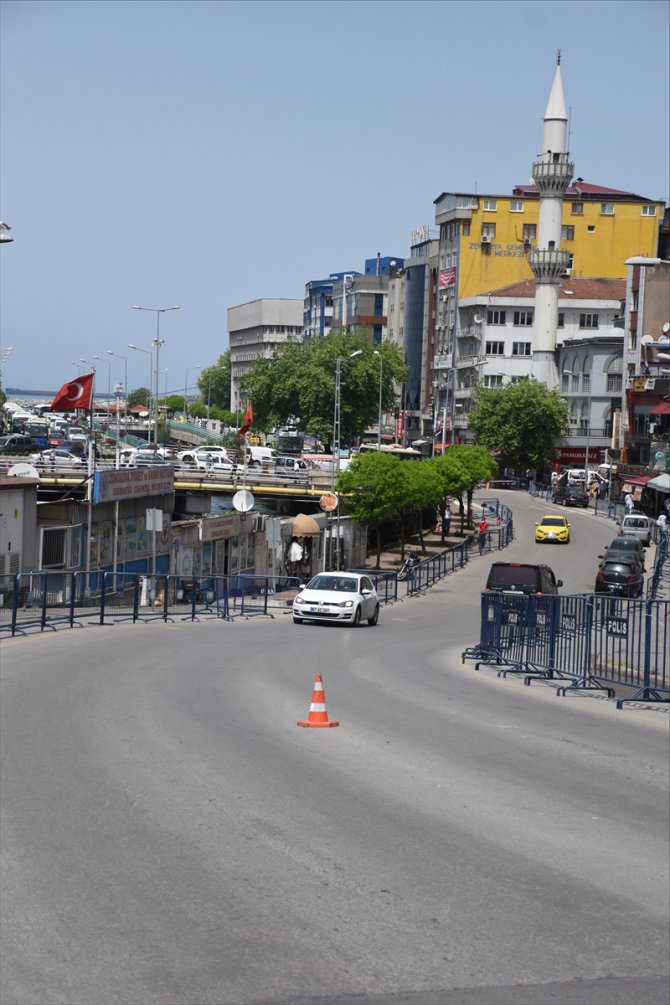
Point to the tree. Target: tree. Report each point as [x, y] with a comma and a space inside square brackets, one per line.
[477, 466]
[520, 421]
[300, 381]
[140, 396]
[214, 383]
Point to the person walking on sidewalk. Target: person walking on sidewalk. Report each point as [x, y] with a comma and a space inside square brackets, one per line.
[483, 530]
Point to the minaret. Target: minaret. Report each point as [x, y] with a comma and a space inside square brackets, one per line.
[552, 174]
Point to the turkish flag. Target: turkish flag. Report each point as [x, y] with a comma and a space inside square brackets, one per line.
[75, 394]
[247, 420]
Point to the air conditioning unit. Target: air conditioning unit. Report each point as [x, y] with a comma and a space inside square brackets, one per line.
[486, 239]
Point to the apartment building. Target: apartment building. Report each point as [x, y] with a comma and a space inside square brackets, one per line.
[257, 329]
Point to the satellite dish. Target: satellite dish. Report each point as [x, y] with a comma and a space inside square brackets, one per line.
[646, 340]
[666, 327]
[478, 319]
[663, 340]
[243, 501]
[23, 470]
[663, 355]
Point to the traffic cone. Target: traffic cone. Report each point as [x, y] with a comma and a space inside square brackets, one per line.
[317, 710]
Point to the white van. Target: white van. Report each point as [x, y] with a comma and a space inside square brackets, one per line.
[260, 455]
[637, 525]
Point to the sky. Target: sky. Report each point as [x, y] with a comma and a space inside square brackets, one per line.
[205, 154]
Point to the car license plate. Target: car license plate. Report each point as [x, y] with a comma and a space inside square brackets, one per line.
[318, 610]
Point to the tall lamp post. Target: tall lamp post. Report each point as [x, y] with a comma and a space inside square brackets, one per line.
[569, 373]
[379, 418]
[157, 342]
[191, 369]
[138, 348]
[109, 378]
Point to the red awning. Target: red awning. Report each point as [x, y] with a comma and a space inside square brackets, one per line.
[662, 409]
[637, 480]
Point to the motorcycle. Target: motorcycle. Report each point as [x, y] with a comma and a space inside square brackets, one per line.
[407, 568]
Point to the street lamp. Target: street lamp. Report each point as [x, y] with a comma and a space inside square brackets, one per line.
[191, 369]
[379, 419]
[569, 373]
[157, 342]
[138, 348]
[78, 365]
[109, 378]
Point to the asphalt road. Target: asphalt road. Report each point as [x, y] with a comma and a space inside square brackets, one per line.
[169, 835]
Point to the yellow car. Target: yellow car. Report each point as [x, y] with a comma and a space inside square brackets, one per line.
[552, 528]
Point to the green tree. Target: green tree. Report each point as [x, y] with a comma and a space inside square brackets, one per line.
[140, 396]
[214, 383]
[300, 381]
[477, 466]
[520, 421]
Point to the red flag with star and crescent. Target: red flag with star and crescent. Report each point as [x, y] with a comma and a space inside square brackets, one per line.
[247, 420]
[75, 394]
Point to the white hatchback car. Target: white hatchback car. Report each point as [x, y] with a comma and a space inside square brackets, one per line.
[348, 597]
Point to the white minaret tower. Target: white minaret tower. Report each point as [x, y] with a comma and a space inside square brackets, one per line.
[552, 174]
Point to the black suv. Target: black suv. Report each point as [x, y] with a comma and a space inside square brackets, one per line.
[620, 576]
[516, 577]
[571, 495]
[17, 443]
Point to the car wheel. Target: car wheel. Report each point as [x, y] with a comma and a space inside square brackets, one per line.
[357, 617]
[375, 617]
[297, 621]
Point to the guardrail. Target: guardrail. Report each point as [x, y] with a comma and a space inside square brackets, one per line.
[592, 642]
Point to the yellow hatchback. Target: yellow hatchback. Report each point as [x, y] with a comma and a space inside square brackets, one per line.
[552, 528]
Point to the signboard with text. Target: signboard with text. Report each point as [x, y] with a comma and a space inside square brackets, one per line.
[133, 483]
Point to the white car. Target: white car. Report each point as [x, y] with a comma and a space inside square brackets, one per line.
[206, 461]
[189, 456]
[56, 457]
[348, 597]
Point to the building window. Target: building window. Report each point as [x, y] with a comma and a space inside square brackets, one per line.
[578, 209]
[493, 380]
[466, 228]
[489, 230]
[495, 317]
[495, 348]
[490, 205]
[516, 206]
[588, 320]
[614, 383]
[648, 211]
[521, 348]
[567, 233]
[607, 209]
[561, 319]
[586, 381]
[591, 229]
[523, 319]
[566, 382]
[529, 232]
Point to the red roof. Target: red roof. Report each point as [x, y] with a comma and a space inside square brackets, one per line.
[581, 289]
[584, 188]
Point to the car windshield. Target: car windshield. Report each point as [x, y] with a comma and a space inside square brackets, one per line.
[337, 584]
[553, 521]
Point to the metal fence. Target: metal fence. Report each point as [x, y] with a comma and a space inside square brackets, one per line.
[589, 642]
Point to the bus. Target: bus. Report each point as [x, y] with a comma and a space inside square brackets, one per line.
[39, 430]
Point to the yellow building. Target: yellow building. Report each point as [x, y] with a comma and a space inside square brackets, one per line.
[486, 238]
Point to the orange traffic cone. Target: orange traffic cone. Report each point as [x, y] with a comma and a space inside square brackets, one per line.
[317, 710]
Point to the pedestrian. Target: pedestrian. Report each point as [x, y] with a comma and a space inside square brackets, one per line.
[661, 523]
[482, 530]
[628, 502]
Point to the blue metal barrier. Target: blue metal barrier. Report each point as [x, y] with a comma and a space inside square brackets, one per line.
[593, 641]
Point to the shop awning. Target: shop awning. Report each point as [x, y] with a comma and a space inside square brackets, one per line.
[661, 483]
[305, 526]
[637, 480]
[662, 409]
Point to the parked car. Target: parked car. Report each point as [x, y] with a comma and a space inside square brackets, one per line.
[626, 547]
[636, 525]
[345, 597]
[146, 457]
[554, 529]
[621, 577]
[517, 577]
[571, 495]
[257, 455]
